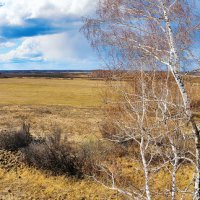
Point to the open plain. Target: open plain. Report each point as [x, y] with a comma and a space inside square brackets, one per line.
[46, 104]
[74, 107]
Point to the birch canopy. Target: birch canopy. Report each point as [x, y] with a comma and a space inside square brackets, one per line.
[135, 28]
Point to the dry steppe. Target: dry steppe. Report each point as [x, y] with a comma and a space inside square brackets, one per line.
[75, 107]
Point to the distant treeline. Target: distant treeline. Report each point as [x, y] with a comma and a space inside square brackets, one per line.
[70, 74]
[129, 75]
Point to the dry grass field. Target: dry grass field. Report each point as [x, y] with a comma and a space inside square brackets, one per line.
[73, 106]
[34, 185]
[41, 91]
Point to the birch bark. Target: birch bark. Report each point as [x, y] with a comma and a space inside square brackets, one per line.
[174, 67]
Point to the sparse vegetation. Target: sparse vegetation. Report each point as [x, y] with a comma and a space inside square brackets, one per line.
[14, 140]
[67, 142]
[56, 155]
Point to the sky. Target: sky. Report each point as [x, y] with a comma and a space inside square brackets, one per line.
[45, 34]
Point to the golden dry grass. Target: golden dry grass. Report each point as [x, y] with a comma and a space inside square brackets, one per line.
[32, 184]
[41, 91]
[72, 105]
[77, 124]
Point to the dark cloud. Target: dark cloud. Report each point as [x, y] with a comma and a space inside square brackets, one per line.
[38, 26]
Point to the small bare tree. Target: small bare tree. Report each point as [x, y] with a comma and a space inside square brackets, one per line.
[159, 34]
[148, 118]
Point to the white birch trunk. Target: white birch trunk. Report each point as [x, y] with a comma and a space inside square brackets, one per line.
[175, 165]
[197, 180]
[174, 67]
[145, 167]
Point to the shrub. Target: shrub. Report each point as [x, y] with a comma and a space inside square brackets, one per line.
[14, 140]
[90, 154]
[54, 154]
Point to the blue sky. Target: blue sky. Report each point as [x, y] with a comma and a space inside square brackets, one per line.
[44, 34]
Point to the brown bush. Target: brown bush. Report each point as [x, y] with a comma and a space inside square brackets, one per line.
[93, 153]
[54, 154]
[14, 140]
[57, 155]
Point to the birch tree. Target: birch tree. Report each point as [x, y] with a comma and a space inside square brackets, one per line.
[150, 31]
[149, 118]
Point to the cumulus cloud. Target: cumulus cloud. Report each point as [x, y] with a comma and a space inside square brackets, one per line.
[48, 31]
[26, 51]
[63, 47]
[7, 44]
[16, 12]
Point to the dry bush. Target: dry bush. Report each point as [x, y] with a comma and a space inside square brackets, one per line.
[14, 140]
[90, 155]
[95, 152]
[53, 153]
[59, 156]
[130, 147]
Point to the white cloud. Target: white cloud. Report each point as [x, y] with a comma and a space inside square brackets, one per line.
[28, 50]
[7, 44]
[69, 47]
[14, 12]
[62, 47]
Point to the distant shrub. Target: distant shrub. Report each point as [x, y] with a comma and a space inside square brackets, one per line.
[14, 140]
[90, 154]
[55, 154]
